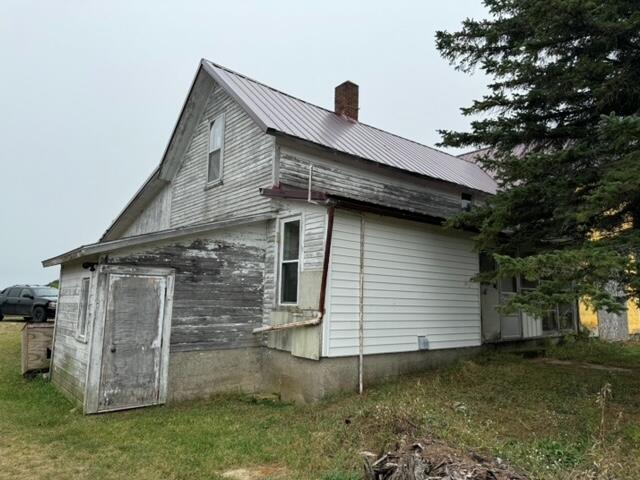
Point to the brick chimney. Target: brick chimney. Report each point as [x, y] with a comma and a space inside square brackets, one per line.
[346, 100]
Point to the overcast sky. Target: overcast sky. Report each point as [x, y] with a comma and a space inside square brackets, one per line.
[90, 91]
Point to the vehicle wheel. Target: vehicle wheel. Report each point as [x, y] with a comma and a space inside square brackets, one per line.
[40, 314]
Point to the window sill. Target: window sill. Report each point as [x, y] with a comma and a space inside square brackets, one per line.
[289, 306]
[214, 184]
[82, 339]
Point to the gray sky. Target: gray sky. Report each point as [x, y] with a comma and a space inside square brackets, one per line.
[90, 91]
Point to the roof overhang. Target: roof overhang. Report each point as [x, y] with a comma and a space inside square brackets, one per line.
[289, 192]
[294, 142]
[137, 240]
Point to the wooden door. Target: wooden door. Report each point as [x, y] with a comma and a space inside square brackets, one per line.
[129, 348]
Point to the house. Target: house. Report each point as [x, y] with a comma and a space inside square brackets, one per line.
[606, 325]
[278, 247]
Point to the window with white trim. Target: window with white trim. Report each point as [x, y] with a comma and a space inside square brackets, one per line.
[216, 150]
[83, 308]
[289, 261]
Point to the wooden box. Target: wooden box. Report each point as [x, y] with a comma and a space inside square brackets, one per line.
[36, 347]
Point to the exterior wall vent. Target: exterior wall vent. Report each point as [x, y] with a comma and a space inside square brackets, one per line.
[423, 343]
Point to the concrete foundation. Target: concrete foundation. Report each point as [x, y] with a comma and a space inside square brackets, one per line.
[200, 374]
[263, 370]
[306, 381]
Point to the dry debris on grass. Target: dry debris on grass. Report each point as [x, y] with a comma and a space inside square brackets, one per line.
[256, 473]
[430, 459]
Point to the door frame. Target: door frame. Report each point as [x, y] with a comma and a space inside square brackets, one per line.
[94, 366]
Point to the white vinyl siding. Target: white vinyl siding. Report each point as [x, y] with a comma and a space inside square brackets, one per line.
[531, 326]
[416, 283]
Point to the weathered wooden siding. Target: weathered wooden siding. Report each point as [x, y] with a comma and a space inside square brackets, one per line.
[303, 342]
[247, 166]
[416, 283]
[407, 193]
[37, 339]
[156, 216]
[314, 237]
[218, 293]
[314, 219]
[270, 271]
[70, 355]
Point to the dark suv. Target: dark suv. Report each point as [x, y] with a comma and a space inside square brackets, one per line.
[33, 302]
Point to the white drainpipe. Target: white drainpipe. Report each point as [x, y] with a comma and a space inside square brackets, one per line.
[361, 311]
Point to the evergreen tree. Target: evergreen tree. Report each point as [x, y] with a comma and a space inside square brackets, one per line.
[562, 120]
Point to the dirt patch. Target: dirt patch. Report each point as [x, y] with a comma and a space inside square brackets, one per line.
[256, 473]
[429, 459]
[592, 366]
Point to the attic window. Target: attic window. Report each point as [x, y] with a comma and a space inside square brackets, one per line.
[467, 201]
[216, 150]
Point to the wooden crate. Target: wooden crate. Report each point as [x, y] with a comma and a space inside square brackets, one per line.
[36, 347]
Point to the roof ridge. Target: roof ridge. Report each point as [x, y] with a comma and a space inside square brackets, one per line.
[229, 70]
[472, 151]
[226, 69]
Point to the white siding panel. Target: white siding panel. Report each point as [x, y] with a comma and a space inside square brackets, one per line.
[416, 282]
[531, 326]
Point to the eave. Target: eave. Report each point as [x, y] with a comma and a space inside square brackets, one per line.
[137, 240]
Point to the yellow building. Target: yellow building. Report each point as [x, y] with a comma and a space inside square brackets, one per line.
[598, 322]
[589, 318]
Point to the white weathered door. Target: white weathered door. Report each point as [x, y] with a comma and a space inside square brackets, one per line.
[132, 339]
[130, 342]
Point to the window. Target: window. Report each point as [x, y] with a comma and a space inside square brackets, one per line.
[289, 261]
[216, 148]
[467, 201]
[14, 292]
[46, 292]
[550, 321]
[81, 326]
[26, 293]
[565, 317]
[508, 284]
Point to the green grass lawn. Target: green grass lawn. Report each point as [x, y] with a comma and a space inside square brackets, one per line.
[543, 419]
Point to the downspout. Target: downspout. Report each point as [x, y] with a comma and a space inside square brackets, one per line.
[361, 311]
[326, 260]
[319, 314]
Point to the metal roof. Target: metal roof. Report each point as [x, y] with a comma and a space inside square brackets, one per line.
[276, 111]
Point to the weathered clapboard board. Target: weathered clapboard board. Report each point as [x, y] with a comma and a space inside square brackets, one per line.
[36, 347]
